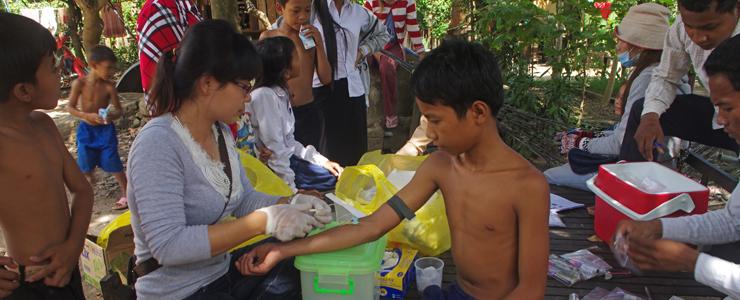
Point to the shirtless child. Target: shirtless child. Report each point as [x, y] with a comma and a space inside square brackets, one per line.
[309, 120]
[43, 236]
[497, 203]
[97, 142]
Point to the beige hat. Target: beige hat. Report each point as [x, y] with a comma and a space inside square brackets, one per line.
[645, 26]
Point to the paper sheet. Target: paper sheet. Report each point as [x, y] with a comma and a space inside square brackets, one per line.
[558, 204]
[345, 205]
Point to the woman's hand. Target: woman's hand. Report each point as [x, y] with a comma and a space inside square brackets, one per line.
[260, 260]
[322, 211]
[289, 221]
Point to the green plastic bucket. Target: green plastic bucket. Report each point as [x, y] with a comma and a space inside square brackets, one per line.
[343, 274]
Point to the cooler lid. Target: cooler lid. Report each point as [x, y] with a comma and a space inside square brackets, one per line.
[653, 178]
[361, 259]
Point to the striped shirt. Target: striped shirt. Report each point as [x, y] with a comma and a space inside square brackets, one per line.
[161, 26]
[404, 18]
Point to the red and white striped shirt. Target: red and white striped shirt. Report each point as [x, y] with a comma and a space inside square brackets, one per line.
[404, 19]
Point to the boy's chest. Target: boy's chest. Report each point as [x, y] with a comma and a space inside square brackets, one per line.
[94, 94]
[479, 202]
[34, 158]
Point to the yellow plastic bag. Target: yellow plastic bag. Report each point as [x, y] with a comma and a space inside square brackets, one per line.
[366, 188]
[262, 178]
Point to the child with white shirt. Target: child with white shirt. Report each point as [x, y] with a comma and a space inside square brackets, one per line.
[301, 167]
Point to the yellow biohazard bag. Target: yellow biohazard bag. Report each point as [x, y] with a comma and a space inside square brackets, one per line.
[366, 187]
[262, 178]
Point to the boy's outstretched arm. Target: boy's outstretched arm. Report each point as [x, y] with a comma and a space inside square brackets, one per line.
[414, 195]
[62, 258]
[532, 220]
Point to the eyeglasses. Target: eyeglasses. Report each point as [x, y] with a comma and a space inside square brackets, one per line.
[246, 87]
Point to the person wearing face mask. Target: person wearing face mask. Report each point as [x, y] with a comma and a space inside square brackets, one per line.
[640, 38]
[700, 27]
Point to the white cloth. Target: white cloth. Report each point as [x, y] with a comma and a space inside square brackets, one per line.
[679, 54]
[353, 19]
[715, 227]
[274, 124]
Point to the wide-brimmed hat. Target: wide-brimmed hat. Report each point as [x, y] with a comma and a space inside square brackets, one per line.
[645, 26]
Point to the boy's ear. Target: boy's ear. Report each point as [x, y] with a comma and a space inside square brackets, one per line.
[278, 8]
[481, 111]
[23, 91]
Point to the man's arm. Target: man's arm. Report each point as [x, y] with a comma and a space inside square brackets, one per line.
[674, 65]
[412, 27]
[715, 227]
[718, 274]
[418, 142]
[64, 257]
[532, 221]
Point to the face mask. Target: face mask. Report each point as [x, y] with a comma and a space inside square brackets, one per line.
[626, 60]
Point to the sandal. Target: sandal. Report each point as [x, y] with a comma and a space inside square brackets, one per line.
[121, 204]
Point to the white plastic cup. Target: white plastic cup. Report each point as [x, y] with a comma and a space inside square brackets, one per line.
[428, 272]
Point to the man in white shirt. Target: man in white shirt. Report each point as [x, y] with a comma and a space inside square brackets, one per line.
[701, 26]
[659, 244]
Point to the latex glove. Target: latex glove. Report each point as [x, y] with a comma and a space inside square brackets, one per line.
[323, 211]
[287, 221]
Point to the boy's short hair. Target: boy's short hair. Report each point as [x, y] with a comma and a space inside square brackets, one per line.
[725, 59]
[458, 73]
[24, 44]
[102, 53]
[699, 6]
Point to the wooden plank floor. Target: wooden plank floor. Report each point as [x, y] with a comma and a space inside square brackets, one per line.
[574, 237]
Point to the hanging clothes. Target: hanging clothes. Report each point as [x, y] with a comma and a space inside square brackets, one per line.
[112, 23]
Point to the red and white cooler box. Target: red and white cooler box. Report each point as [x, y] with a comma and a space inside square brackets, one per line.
[642, 191]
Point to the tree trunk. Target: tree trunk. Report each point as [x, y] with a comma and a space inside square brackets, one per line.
[92, 27]
[226, 10]
[73, 28]
[458, 18]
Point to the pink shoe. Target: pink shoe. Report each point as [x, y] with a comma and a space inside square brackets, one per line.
[391, 122]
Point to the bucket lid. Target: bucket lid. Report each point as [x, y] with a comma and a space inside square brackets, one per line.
[360, 259]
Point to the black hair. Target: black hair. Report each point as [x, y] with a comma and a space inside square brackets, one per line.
[722, 6]
[276, 54]
[647, 58]
[725, 59]
[458, 73]
[328, 26]
[102, 53]
[210, 47]
[24, 44]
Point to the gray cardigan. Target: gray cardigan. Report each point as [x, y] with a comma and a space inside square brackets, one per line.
[172, 203]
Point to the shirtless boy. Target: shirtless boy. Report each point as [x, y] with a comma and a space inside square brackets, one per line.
[309, 120]
[44, 237]
[497, 203]
[97, 142]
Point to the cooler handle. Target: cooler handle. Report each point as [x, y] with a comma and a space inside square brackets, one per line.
[350, 290]
[681, 202]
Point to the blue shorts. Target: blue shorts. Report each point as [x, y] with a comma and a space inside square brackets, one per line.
[98, 146]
